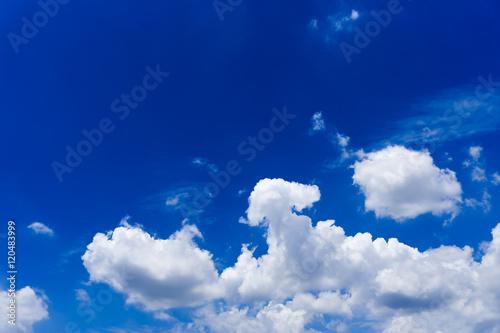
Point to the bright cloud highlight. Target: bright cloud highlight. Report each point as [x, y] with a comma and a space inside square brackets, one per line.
[402, 184]
[311, 274]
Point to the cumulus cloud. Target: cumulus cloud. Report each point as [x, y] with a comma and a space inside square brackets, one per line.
[343, 143]
[160, 273]
[310, 275]
[475, 152]
[40, 228]
[317, 123]
[31, 308]
[271, 318]
[402, 184]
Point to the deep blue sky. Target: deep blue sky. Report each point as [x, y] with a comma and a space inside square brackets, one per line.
[225, 79]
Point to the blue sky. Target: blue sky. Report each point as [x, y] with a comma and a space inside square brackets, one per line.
[171, 166]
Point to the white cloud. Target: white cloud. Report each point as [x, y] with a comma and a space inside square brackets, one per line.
[317, 123]
[203, 162]
[496, 178]
[484, 203]
[338, 22]
[199, 161]
[402, 184]
[277, 195]
[272, 318]
[343, 140]
[450, 115]
[31, 308]
[308, 272]
[478, 174]
[313, 24]
[163, 316]
[475, 152]
[161, 273]
[40, 228]
[174, 200]
[341, 22]
[82, 296]
[339, 140]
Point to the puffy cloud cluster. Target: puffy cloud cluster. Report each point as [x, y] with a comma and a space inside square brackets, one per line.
[311, 274]
[401, 184]
[155, 273]
[478, 173]
[31, 308]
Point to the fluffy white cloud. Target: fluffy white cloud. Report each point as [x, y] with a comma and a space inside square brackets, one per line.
[475, 152]
[154, 273]
[401, 183]
[272, 318]
[31, 308]
[478, 173]
[386, 281]
[343, 140]
[309, 274]
[41, 228]
[317, 123]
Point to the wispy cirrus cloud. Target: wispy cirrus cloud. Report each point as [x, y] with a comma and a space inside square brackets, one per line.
[449, 115]
[190, 200]
[204, 163]
[483, 203]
